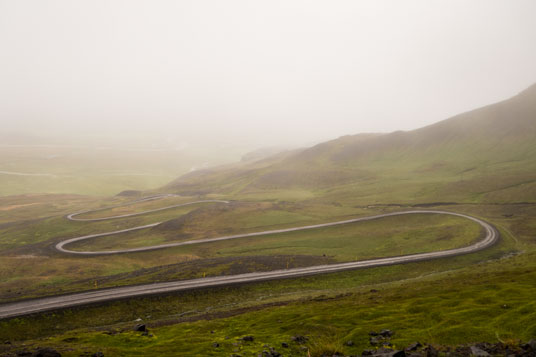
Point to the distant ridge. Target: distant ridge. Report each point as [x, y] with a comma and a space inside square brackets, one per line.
[475, 154]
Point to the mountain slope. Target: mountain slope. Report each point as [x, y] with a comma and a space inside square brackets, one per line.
[488, 154]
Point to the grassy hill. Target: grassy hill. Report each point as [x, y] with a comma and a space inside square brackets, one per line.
[485, 155]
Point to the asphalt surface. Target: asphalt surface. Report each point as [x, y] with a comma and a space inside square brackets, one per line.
[102, 295]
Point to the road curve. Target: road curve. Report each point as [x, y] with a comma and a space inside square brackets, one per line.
[72, 216]
[102, 295]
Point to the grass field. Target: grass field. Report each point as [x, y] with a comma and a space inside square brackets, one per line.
[491, 289]
[480, 163]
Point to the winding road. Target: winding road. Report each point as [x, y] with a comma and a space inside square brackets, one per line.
[102, 295]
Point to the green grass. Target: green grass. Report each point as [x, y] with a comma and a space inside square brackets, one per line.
[384, 237]
[437, 308]
[419, 301]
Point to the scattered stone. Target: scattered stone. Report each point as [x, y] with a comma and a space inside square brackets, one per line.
[349, 343]
[477, 352]
[284, 344]
[299, 339]
[413, 346]
[23, 353]
[373, 333]
[375, 340]
[386, 333]
[140, 328]
[98, 354]
[248, 338]
[271, 353]
[530, 346]
[385, 352]
[7, 342]
[215, 345]
[430, 351]
[46, 352]
[138, 319]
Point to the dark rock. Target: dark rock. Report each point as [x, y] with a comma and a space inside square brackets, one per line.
[274, 353]
[284, 345]
[373, 333]
[140, 328]
[399, 353]
[215, 345]
[478, 352]
[46, 352]
[98, 354]
[367, 353]
[413, 346]
[386, 333]
[349, 343]
[529, 346]
[299, 339]
[430, 351]
[248, 338]
[387, 352]
[373, 290]
[7, 342]
[375, 340]
[23, 353]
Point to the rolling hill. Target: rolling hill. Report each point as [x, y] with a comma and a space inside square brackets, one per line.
[485, 155]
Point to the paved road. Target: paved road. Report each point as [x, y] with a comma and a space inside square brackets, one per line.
[102, 295]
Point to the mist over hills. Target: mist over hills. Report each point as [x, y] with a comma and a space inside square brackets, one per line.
[487, 154]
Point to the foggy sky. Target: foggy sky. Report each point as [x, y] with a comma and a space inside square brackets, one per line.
[256, 72]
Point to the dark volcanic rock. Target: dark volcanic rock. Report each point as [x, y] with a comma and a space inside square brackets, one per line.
[387, 352]
[413, 346]
[248, 338]
[375, 340]
[299, 339]
[46, 352]
[478, 352]
[530, 346]
[140, 328]
[284, 345]
[430, 351]
[386, 333]
[23, 353]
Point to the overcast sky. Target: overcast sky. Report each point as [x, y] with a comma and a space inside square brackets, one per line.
[258, 72]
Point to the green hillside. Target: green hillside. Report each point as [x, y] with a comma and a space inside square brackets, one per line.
[485, 155]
